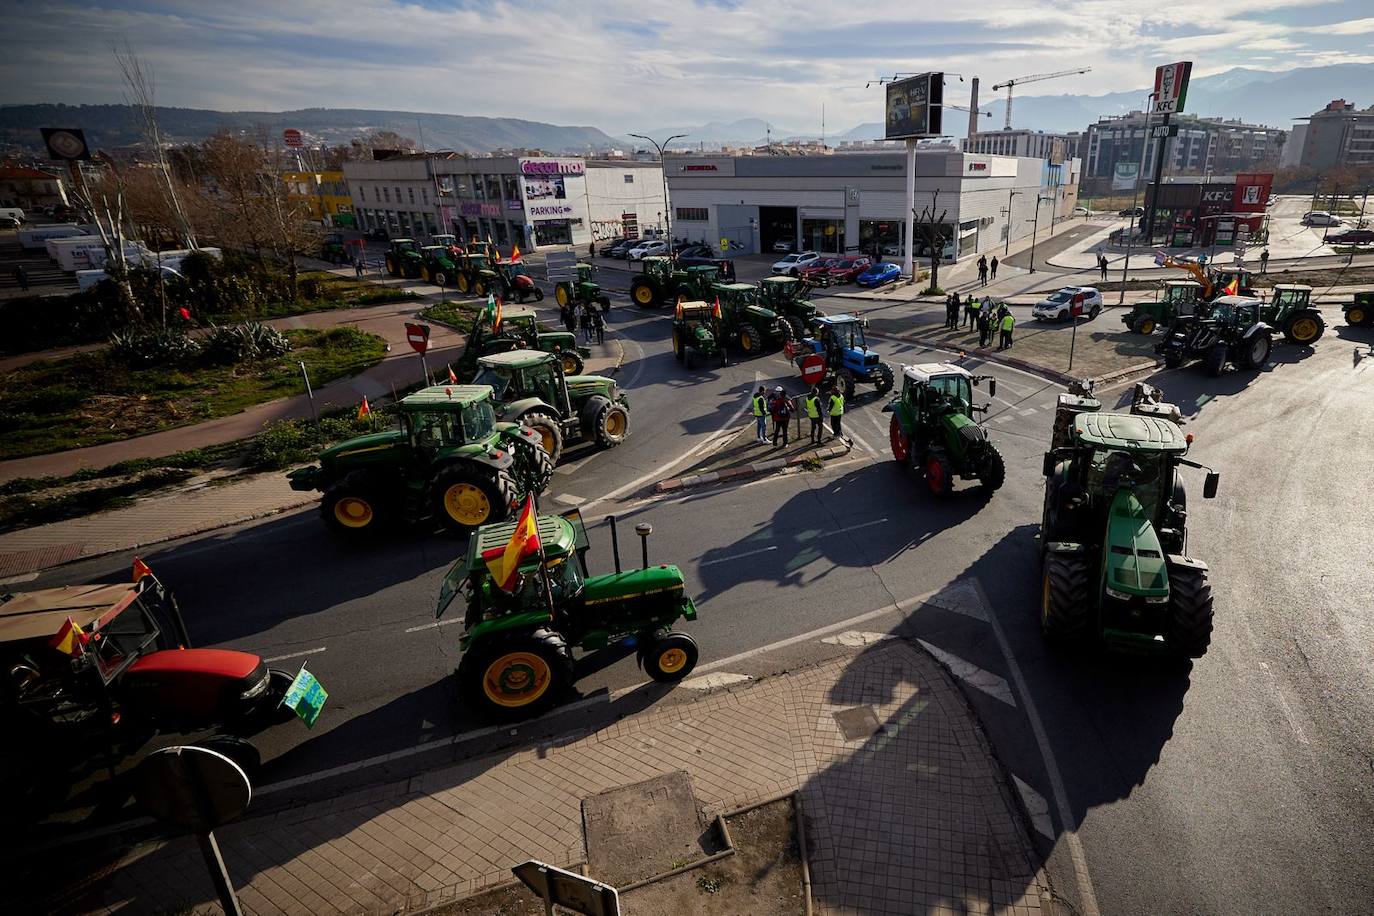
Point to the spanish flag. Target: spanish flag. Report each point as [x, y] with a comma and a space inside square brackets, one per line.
[452, 379]
[363, 409]
[715, 312]
[515, 254]
[70, 640]
[1232, 288]
[141, 569]
[678, 311]
[494, 310]
[504, 562]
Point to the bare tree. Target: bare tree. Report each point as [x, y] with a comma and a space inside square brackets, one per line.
[289, 225]
[102, 196]
[930, 228]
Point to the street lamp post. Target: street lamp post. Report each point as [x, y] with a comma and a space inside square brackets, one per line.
[1035, 226]
[1135, 198]
[663, 167]
[1010, 194]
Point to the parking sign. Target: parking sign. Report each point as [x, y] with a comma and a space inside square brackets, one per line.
[1171, 86]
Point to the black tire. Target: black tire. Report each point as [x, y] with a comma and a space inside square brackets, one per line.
[671, 658]
[612, 425]
[439, 277]
[750, 341]
[462, 283]
[1255, 351]
[679, 348]
[939, 474]
[546, 425]
[993, 473]
[1190, 612]
[604, 302]
[722, 356]
[899, 442]
[353, 508]
[642, 292]
[391, 268]
[494, 674]
[479, 287]
[1304, 328]
[885, 379]
[1358, 316]
[845, 378]
[270, 711]
[572, 362]
[1173, 358]
[482, 499]
[795, 325]
[1065, 602]
[1094, 312]
[538, 294]
[1143, 325]
[540, 466]
[1215, 359]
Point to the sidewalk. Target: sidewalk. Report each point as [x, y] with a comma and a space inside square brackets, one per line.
[906, 810]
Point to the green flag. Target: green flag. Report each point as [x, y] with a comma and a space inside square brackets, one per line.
[305, 697]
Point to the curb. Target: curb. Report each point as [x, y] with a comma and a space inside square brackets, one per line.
[674, 484]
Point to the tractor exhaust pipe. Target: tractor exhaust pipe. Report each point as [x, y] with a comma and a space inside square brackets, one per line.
[644, 529]
[615, 543]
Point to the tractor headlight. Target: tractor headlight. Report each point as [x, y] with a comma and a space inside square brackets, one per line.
[1119, 596]
[1158, 599]
[258, 689]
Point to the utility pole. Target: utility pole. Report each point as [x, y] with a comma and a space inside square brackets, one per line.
[1135, 199]
[909, 249]
[663, 168]
[1035, 226]
[1010, 194]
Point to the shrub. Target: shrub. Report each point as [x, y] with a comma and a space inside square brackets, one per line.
[153, 348]
[295, 441]
[244, 343]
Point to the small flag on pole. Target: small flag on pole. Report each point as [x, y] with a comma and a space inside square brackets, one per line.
[1233, 288]
[514, 254]
[70, 639]
[504, 562]
[141, 569]
[305, 697]
[715, 312]
[494, 311]
[363, 409]
[452, 379]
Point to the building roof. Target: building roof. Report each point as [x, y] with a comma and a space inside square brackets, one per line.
[23, 172]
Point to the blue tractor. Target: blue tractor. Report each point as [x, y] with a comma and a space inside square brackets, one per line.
[840, 341]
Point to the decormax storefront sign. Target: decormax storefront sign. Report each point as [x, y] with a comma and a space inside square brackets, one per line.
[548, 210]
[476, 209]
[552, 167]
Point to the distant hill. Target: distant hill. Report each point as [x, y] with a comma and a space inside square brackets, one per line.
[745, 130]
[114, 125]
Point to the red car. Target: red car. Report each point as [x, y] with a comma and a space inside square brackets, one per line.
[818, 274]
[844, 270]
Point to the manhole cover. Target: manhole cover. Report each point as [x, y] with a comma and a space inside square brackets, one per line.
[637, 831]
[857, 723]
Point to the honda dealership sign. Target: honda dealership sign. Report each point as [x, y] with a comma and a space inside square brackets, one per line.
[915, 106]
[1171, 86]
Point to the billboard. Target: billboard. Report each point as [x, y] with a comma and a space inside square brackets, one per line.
[1171, 86]
[65, 143]
[545, 188]
[1124, 176]
[915, 106]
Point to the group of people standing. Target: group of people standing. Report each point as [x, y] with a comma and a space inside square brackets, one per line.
[988, 318]
[818, 403]
[987, 268]
[584, 316]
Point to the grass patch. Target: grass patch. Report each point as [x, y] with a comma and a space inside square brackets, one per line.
[459, 314]
[321, 291]
[90, 398]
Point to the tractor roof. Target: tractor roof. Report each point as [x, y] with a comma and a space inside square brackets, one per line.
[446, 396]
[556, 535]
[696, 309]
[924, 372]
[400, 241]
[655, 258]
[736, 287]
[1235, 301]
[1297, 286]
[835, 320]
[781, 281]
[1129, 432]
[516, 359]
[41, 613]
[516, 313]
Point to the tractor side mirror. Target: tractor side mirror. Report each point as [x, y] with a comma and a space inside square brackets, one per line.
[1047, 468]
[1209, 486]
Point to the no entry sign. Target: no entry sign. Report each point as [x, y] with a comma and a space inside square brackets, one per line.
[418, 335]
[293, 138]
[813, 369]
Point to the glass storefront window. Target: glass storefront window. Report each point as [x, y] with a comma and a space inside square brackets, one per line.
[502, 237]
[493, 187]
[823, 235]
[479, 187]
[511, 187]
[552, 232]
[878, 233]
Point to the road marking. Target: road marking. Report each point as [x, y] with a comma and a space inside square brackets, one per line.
[1002, 418]
[1027, 412]
[876, 521]
[568, 499]
[711, 681]
[738, 556]
[278, 658]
[994, 686]
[1036, 807]
[856, 639]
[862, 442]
[1087, 902]
[435, 625]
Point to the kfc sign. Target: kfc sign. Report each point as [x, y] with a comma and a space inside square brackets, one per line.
[552, 167]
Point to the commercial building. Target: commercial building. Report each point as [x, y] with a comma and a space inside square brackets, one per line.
[324, 195]
[30, 189]
[1118, 146]
[532, 201]
[1215, 211]
[1337, 136]
[857, 201]
[1021, 142]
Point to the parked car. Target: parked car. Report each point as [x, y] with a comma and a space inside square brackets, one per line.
[1320, 218]
[847, 269]
[645, 248]
[1352, 237]
[1082, 211]
[696, 250]
[9, 222]
[621, 250]
[1131, 211]
[606, 247]
[1069, 302]
[878, 274]
[892, 250]
[818, 272]
[783, 246]
[792, 264]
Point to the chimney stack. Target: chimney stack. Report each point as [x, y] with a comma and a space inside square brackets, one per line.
[973, 111]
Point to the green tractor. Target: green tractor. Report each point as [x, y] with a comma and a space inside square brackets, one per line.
[474, 274]
[1359, 311]
[519, 331]
[441, 264]
[583, 291]
[745, 323]
[789, 298]
[1225, 330]
[518, 645]
[530, 387]
[696, 334]
[1289, 309]
[1180, 297]
[933, 428]
[405, 259]
[332, 248]
[450, 460]
[1113, 533]
[657, 283]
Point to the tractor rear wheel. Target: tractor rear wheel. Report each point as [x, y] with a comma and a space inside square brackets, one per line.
[612, 425]
[1216, 359]
[461, 282]
[1065, 606]
[561, 295]
[517, 674]
[1357, 315]
[1190, 611]
[642, 293]
[550, 433]
[749, 340]
[604, 302]
[352, 508]
[571, 362]
[901, 443]
[1304, 328]
[670, 658]
[1144, 325]
[939, 474]
[795, 326]
[993, 472]
[885, 380]
[465, 499]
[1256, 351]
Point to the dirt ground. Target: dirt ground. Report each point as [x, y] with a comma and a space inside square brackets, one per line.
[762, 878]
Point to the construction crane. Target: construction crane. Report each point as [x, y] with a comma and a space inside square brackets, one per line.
[1011, 85]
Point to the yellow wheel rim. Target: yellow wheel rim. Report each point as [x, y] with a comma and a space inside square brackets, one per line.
[546, 438]
[569, 365]
[462, 283]
[516, 679]
[1304, 330]
[479, 288]
[615, 423]
[467, 504]
[644, 295]
[1147, 326]
[672, 661]
[560, 295]
[677, 344]
[746, 341]
[1355, 316]
[353, 512]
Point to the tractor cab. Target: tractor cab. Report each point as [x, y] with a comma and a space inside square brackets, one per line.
[1223, 276]
[438, 419]
[1290, 297]
[844, 333]
[332, 246]
[521, 374]
[485, 250]
[404, 246]
[698, 281]
[1180, 296]
[788, 297]
[657, 267]
[448, 241]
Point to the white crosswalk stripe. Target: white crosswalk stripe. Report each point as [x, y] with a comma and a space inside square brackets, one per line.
[1036, 807]
[994, 686]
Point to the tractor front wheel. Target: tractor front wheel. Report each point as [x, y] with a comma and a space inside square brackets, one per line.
[1190, 611]
[479, 287]
[391, 267]
[538, 294]
[1065, 608]
[749, 340]
[461, 282]
[464, 500]
[1304, 328]
[1256, 352]
[845, 378]
[550, 434]
[642, 294]
[604, 302]
[1216, 359]
[939, 474]
[571, 362]
[671, 658]
[516, 675]
[679, 348]
[561, 295]
[352, 510]
[1144, 325]
[993, 473]
[797, 328]
[612, 425]
[1355, 316]
[439, 278]
[901, 443]
[885, 380]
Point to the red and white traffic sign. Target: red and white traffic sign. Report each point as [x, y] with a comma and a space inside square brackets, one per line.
[813, 369]
[418, 336]
[293, 138]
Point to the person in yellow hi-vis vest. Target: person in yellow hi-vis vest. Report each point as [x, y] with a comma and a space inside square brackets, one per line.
[1008, 323]
[836, 414]
[760, 416]
[812, 403]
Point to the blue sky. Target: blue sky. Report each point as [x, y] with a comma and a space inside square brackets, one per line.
[629, 64]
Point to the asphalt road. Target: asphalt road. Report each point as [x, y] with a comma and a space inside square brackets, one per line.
[1241, 783]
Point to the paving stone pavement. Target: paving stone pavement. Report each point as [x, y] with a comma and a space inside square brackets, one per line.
[912, 818]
